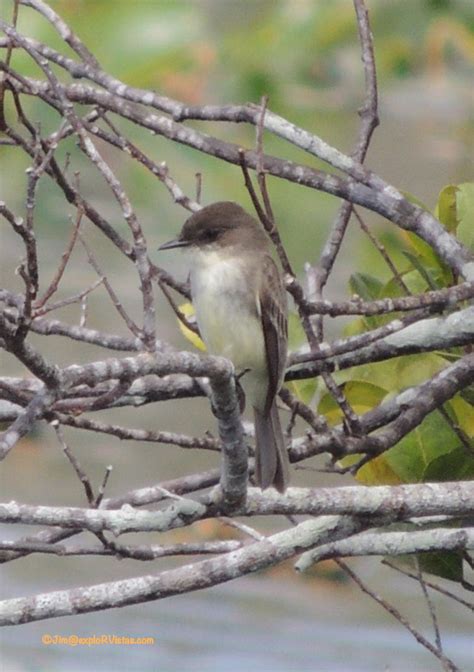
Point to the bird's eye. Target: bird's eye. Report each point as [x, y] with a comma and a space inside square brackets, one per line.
[210, 235]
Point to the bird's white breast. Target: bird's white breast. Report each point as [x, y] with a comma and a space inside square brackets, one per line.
[227, 313]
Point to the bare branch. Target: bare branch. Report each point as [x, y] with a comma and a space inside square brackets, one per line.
[136, 552]
[396, 503]
[197, 576]
[364, 188]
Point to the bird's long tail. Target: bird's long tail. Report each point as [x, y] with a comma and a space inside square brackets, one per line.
[272, 466]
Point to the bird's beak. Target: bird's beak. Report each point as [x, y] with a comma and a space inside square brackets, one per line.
[174, 243]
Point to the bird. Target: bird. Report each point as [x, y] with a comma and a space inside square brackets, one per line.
[241, 310]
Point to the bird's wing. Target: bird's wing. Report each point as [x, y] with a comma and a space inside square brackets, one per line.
[273, 313]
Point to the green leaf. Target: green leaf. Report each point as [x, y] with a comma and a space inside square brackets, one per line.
[296, 335]
[415, 200]
[446, 208]
[393, 287]
[468, 395]
[422, 269]
[365, 286]
[376, 472]
[446, 564]
[368, 288]
[465, 210]
[304, 390]
[450, 356]
[421, 249]
[414, 458]
[354, 327]
[383, 374]
[462, 412]
[361, 395]
[398, 373]
[415, 369]
[413, 280]
[457, 465]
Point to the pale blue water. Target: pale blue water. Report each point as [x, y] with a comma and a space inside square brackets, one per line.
[264, 625]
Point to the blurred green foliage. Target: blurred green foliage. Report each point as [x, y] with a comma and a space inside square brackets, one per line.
[256, 47]
[304, 54]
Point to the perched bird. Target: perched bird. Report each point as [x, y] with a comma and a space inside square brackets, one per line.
[241, 310]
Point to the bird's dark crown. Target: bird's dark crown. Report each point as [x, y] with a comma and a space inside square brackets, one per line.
[222, 224]
[214, 222]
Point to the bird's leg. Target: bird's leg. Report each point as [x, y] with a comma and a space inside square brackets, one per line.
[240, 391]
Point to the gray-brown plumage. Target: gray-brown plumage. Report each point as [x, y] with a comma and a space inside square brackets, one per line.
[241, 310]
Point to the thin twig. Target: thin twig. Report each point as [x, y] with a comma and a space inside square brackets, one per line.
[136, 331]
[198, 187]
[81, 474]
[54, 284]
[369, 121]
[184, 319]
[430, 584]
[76, 298]
[446, 662]
[3, 123]
[429, 603]
[242, 527]
[382, 250]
